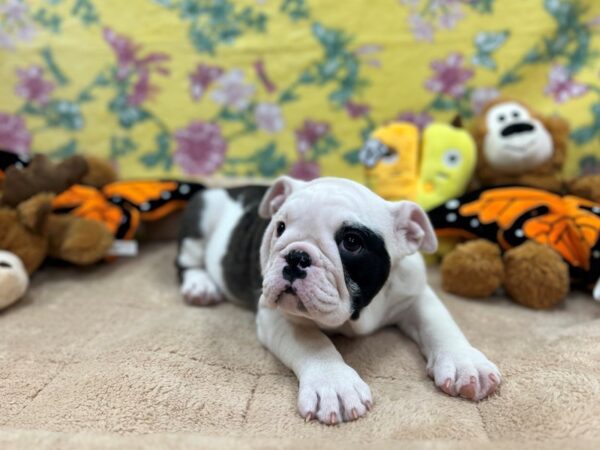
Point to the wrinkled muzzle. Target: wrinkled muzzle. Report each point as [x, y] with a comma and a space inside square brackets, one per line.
[301, 282]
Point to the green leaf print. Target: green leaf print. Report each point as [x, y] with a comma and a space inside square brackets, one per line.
[490, 41]
[351, 156]
[121, 146]
[64, 151]
[584, 134]
[127, 114]
[296, 9]
[63, 113]
[269, 163]
[482, 6]
[487, 42]
[161, 155]
[57, 74]
[86, 11]
[217, 22]
[45, 18]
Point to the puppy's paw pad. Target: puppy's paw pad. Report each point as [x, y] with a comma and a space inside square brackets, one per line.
[333, 395]
[465, 372]
[199, 289]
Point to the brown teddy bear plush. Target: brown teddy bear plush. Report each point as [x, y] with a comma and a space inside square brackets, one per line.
[518, 147]
[29, 232]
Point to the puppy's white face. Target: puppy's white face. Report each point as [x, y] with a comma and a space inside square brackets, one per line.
[330, 245]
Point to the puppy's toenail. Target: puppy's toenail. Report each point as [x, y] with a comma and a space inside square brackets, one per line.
[333, 419]
[354, 414]
[447, 387]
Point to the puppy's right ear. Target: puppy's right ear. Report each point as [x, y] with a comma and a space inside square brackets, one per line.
[277, 195]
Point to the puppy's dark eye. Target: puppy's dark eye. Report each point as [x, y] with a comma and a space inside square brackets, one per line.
[352, 242]
[280, 228]
[501, 117]
[516, 114]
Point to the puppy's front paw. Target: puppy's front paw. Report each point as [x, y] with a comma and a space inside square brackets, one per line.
[464, 372]
[199, 289]
[333, 394]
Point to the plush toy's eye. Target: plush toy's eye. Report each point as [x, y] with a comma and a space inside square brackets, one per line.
[452, 157]
[280, 228]
[389, 156]
[516, 114]
[501, 117]
[352, 242]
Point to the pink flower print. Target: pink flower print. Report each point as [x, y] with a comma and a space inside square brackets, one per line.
[368, 52]
[420, 120]
[232, 91]
[127, 56]
[14, 136]
[451, 16]
[481, 96]
[305, 170]
[32, 86]
[125, 51]
[202, 78]
[450, 76]
[309, 134]
[561, 86]
[268, 117]
[142, 90]
[420, 28]
[130, 63]
[200, 148]
[356, 110]
[15, 23]
[261, 73]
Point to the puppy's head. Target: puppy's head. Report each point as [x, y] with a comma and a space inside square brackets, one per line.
[331, 244]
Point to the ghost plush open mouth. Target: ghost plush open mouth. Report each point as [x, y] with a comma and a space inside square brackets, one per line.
[523, 148]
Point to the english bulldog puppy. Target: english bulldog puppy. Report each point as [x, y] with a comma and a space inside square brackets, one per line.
[324, 257]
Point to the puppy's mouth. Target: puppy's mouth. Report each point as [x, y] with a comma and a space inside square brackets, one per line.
[288, 296]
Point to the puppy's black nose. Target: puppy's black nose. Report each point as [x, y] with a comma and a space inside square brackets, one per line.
[297, 261]
[297, 258]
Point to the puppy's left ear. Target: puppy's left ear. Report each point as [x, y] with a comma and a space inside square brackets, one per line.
[412, 228]
[277, 194]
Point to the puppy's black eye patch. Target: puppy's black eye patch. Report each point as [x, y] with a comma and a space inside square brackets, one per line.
[280, 228]
[366, 263]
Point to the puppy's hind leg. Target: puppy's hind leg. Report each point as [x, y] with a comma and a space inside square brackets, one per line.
[197, 287]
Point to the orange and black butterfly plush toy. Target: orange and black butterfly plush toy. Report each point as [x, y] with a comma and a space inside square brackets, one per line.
[121, 205]
[561, 235]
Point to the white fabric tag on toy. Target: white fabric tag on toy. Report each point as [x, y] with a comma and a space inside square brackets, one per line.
[123, 248]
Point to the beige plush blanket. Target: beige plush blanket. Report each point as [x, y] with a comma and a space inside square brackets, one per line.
[110, 357]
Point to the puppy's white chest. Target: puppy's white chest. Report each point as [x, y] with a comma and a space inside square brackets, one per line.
[372, 318]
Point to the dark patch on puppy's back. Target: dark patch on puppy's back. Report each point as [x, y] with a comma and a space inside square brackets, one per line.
[241, 263]
[367, 270]
[248, 195]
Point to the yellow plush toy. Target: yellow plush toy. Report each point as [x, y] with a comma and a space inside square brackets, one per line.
[391, 157]
[429, 169]
[447, 163]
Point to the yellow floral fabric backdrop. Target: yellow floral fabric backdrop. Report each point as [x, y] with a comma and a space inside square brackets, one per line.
[173, 88]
